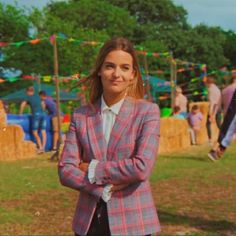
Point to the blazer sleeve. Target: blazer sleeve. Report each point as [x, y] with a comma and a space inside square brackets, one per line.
[69, 173]
[138, 167]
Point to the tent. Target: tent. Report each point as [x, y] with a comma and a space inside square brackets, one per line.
[49, 89]
[159, 85]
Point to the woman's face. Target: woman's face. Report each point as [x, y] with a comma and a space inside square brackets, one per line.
[117, 72]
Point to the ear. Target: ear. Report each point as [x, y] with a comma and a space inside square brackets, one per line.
[132, 77]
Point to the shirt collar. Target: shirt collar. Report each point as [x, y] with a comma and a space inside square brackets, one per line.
[115, 108]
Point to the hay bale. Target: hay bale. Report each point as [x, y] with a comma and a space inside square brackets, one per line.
[3, 116]
[13, 146]
[26, 149]
[7, 143]
[174, 135]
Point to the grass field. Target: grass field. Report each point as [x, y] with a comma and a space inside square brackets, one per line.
[193, 195]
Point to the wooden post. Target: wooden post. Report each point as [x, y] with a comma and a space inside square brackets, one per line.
[173, 79]
[55, 59]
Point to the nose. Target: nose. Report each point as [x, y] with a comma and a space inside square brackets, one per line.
[117, 72]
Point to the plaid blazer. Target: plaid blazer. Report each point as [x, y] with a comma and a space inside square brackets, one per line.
[130, 156]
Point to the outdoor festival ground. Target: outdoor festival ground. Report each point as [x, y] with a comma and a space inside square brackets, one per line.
[193, 195]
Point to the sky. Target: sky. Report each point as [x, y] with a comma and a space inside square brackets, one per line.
[210, 12]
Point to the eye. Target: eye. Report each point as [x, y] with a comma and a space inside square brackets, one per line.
[108, 66]
[125, 68]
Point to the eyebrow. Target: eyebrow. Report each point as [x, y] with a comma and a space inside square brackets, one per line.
[112, 63]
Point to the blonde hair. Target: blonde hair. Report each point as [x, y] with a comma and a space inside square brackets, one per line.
[96, 89]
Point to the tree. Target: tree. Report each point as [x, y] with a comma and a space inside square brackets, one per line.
[13, 23]
[85, 14]
[154, 17]
[157, 26]
[205, 45]
[13, 28]
[229, 47]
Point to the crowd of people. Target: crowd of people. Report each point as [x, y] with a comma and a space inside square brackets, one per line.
[222, 104]
[219, 103]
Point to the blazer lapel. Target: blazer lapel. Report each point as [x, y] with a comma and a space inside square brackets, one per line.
[121, 122]
[95, 132]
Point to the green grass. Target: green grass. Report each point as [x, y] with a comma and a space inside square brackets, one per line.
[20, 177]
[13, 215]
[193, 163]
[194, 196]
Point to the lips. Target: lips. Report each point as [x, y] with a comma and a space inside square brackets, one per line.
[115, 81]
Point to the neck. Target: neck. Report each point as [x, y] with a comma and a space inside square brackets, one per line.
[111, 99]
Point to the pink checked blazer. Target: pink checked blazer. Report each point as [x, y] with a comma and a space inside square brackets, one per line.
[130, 156]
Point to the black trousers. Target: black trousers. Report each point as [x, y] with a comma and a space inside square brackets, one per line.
[99, 225]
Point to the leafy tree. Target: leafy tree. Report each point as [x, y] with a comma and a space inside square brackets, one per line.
[230, 47]
[205, 45]
[85, 14]
[156, 26]
[13, 23]
[13, 28]
[79, 20]
[154, 17]
[158, 12]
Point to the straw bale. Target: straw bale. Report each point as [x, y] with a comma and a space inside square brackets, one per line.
[25, 150]
[7, 150]
[3, 117]
[174, 135]
[12, 144]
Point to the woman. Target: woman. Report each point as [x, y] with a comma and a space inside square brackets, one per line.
[111, 148]
[181, 101]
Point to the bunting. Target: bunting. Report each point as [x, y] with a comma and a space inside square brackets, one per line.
[21, 43]
[61, 36]
[189, 65]
[45, 78]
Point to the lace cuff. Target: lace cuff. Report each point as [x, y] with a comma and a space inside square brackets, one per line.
[91, 171]
[106, 195]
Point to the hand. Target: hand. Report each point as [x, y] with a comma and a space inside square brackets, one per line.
[84, 166]
[118, 187]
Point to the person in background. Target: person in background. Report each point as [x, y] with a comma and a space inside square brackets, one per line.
[51, 107]
[177, 113]
[111, 148]
[227, 93]
[181, 101]
[195, 122]
[38, 117]
[214, 111]
[224, 140]
[227, 131]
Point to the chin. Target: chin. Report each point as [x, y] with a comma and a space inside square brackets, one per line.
[116, 91]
